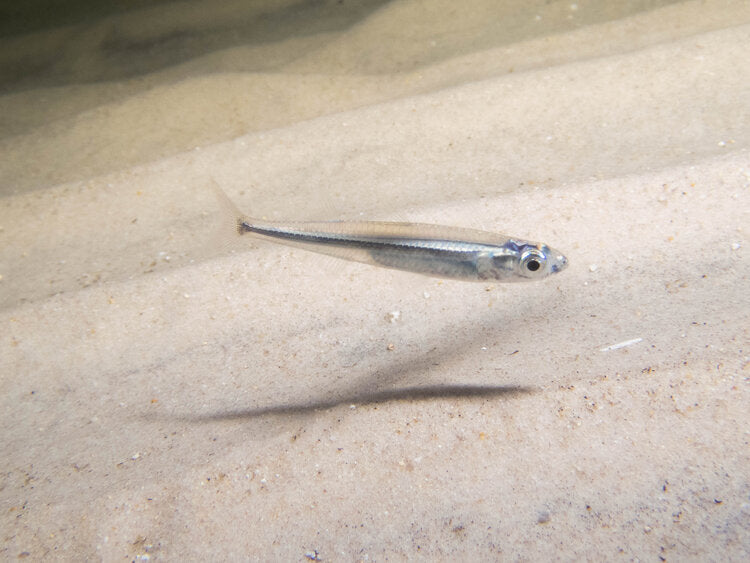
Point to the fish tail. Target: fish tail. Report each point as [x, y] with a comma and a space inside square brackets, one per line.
[231, 220]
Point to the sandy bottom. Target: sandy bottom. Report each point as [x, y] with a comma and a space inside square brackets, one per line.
[163, 398]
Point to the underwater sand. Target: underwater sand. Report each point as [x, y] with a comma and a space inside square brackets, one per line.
[163, 398]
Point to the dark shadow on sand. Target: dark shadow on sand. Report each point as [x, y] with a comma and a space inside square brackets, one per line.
[395, 379]
[412, 394]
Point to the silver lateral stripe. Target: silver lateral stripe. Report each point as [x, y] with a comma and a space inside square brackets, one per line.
[342, 239]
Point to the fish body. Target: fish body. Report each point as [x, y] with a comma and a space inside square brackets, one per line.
[432, 250]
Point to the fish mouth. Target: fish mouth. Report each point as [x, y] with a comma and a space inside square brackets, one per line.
[559, 263]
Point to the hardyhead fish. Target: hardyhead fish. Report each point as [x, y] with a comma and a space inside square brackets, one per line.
[432, 250]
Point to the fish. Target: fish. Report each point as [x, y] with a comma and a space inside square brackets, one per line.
[433, 250]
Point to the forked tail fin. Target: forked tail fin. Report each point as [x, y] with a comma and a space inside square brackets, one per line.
[227, 236]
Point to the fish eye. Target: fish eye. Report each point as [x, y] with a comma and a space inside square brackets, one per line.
[533, 261]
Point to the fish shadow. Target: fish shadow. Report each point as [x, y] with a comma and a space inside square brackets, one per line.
[410, 394]
[389, 381]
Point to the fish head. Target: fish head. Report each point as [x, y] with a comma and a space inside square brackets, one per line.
[525, 261]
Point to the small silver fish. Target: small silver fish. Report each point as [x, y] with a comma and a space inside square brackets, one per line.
[432, 250]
